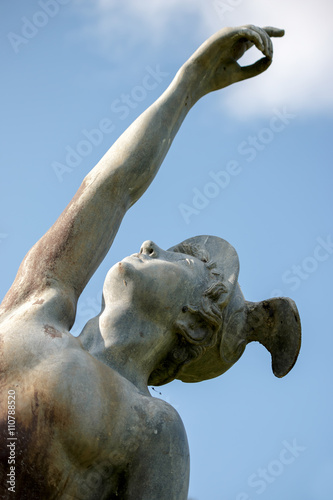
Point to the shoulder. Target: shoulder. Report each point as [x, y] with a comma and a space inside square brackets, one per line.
[161, 465]
[165, 430]
[31, 343]
[53, 305]
[166, 415]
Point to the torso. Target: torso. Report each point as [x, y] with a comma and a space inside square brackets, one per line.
[78, 423]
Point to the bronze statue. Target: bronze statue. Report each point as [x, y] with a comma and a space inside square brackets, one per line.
[83, 424]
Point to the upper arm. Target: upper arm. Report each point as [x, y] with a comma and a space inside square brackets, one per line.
[66, 257]
[161, 468]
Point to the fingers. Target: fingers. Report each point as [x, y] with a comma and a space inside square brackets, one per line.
[261, 39]
[254, 69]
[276, 32]
[251, 35]
[268, 45]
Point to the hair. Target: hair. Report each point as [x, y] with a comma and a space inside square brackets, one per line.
[208, 314]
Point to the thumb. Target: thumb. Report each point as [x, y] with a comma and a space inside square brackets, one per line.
[255, 69]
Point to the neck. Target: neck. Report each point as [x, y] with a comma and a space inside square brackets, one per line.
[129, 345]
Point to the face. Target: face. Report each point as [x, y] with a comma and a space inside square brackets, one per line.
[156, 282]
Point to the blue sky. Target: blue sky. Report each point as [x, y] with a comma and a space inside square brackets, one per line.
[66, 72]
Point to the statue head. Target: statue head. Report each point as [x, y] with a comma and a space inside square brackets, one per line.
[197, 309]
[214, 331]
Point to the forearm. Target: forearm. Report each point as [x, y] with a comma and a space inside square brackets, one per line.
[134, 159]
[137, 155]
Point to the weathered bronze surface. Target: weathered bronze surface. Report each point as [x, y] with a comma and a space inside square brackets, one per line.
[86, 425]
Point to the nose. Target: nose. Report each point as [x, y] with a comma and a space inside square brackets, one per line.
[150, 248]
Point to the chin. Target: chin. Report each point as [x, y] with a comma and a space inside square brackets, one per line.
[123, 265]
[119, 273]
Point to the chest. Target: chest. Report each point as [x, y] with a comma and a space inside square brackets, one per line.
[78, 425]
[88, 412]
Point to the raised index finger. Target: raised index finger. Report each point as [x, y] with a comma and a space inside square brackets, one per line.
[277, 32]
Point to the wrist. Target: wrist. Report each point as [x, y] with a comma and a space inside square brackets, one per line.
[188, 78]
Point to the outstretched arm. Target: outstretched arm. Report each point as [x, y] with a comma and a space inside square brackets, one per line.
[69, 253]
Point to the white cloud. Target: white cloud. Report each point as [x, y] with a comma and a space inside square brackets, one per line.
[300, 77]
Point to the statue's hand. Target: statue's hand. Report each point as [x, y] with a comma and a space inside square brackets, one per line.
[214, 65]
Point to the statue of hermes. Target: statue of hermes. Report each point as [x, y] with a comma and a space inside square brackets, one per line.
[83, 423]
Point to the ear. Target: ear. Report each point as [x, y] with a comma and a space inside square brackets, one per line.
[193, 327]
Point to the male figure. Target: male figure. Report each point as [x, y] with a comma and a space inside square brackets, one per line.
[85, 423]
